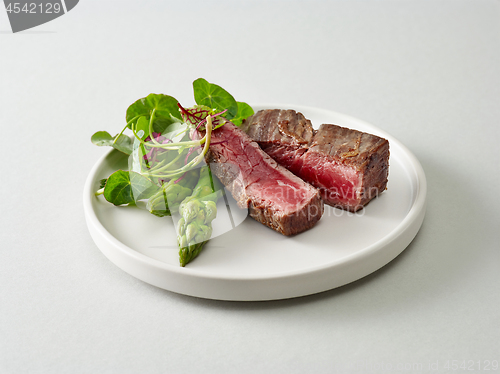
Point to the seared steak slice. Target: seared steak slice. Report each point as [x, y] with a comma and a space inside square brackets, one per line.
[283, 134]
[349, 167]
[282, 127]
[274, 196]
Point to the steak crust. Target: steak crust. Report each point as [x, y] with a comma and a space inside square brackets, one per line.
[349, 167]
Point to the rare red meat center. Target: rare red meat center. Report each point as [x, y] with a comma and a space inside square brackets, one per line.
[349, 167]
[274, 196]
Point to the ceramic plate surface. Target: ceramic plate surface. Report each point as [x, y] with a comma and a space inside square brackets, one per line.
[248, 261]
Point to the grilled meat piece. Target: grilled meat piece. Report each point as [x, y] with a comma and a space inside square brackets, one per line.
[274, 196]
[349, 167]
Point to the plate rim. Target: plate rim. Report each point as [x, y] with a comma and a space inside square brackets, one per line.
[413, 217]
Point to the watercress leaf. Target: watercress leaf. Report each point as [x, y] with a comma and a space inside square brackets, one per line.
[142, 187]
[142, 124]
[123, 187]
[123, 144]
[118, 189]
[160, 124]
[244, 111]
[214, 97]
[166, 111]
[103, 138]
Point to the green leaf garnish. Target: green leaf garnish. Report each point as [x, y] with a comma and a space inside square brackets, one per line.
[142, 124]
[215, 97]
[166, 111]
[123, 187]
[163, 159]
[120, 142]
[244, 111]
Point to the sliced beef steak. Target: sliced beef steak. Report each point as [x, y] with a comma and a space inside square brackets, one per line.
[274, 196]
[283, 134]
[280, 127]
[349, 167]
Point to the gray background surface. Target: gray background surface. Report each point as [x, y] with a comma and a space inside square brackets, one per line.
[427, 72]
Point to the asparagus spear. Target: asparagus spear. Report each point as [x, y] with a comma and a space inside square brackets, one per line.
[197, 213]
[167, 200]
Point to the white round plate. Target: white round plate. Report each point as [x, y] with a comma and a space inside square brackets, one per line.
[251, 261]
